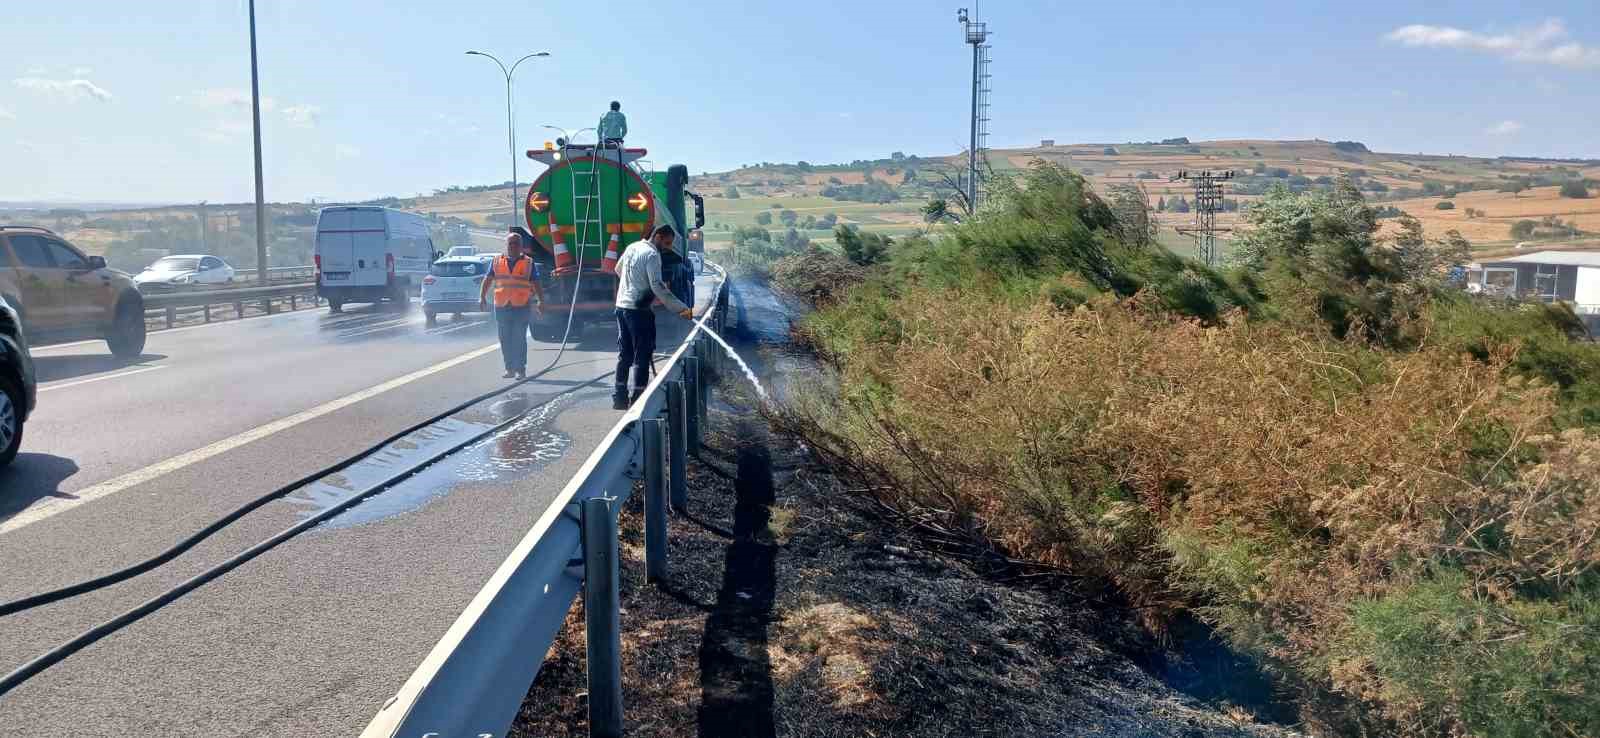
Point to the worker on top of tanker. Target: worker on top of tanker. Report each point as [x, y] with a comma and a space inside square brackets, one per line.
[613, 127]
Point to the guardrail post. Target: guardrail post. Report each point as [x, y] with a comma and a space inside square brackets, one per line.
[677, 434]
[602, 618]
[294, 302]
[207, 308]
[707, 364]
[655, 500]
[691, 385]
[172, 315]
[266, 305]
[238, 309]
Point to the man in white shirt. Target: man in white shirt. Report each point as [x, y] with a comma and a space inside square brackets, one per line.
[638, 285]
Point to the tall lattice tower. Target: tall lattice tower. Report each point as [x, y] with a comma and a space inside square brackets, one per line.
[978, 38]
[1208, 200]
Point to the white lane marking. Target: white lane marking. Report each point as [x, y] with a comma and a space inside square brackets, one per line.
[469, 324]
[129, 373]
[376, 329]
[94, 492]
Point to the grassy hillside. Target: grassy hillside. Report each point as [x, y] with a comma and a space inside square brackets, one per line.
[1413, 183]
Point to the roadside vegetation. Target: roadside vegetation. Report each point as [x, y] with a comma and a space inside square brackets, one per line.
[1383, 490]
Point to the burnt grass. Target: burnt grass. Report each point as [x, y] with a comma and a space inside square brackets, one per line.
[793, 610]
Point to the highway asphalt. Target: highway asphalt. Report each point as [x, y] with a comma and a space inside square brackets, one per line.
[123, 459]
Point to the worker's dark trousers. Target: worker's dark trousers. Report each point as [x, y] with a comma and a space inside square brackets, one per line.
[513, 325]
[636, 346]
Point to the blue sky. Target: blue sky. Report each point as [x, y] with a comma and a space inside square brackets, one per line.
[149, 101]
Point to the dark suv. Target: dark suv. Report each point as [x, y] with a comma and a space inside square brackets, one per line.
[63, 295]
[17, 390]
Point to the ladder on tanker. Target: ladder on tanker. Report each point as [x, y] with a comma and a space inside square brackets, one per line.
[588, 209]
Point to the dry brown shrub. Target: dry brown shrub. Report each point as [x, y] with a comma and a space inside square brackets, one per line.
[1269, 475]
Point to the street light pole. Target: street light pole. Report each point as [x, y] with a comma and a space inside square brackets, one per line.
[261, 198]
[511, 145]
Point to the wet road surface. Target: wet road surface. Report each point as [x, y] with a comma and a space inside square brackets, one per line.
[311, 637]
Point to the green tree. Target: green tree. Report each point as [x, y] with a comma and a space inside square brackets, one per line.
[1523, 229]
[1445, 205]
[1574, 188]
[862, 248]
[788, 217]
[764, 218]
[938, 210]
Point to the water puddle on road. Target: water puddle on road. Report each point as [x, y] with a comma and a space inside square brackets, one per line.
[517, 451]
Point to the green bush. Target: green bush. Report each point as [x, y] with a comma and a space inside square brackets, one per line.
[1445, 205]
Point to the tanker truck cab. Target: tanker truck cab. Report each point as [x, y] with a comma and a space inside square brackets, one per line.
[370, 254]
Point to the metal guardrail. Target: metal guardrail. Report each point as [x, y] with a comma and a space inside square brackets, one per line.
[275, 273]
[171, 305]
[475, 678]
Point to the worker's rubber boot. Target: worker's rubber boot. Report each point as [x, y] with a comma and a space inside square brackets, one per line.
[637, 392]
[619, 398]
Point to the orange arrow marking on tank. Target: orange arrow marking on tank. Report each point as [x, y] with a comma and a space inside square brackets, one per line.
[639, 201]
[538, 202]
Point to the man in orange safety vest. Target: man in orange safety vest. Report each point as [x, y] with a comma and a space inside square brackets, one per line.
[516, 294]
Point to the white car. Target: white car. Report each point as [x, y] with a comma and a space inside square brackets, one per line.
[462, 251]
[452, 285]
[184, 270]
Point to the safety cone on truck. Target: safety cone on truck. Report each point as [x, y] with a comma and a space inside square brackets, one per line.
[563, 256]
[609, 263]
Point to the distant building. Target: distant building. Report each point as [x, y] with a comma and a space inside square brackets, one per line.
[1547, 276]
[1047, 143]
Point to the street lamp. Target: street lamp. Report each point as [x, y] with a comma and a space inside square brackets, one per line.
[511, 145]
[255, 117]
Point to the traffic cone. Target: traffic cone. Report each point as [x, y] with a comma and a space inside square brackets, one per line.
[609, 263]
[563, 256]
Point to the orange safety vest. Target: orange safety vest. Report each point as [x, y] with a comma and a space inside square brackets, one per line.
[512, 286]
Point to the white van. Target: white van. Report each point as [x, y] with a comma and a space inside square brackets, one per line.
[370, 254]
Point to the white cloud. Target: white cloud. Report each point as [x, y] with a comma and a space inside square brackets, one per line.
[69, 89]
[7, 115]
[82, 71]
[302, 116]
[1504, 128]
[224, 97]
[346, 151]
[1545, 43]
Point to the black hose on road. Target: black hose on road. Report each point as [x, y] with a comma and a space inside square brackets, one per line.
[59, 653]
[120, 575]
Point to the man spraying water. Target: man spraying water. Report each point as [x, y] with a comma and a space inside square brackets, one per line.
[638, 285]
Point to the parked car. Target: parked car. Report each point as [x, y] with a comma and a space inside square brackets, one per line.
[176, 272]
[17, 390]
[452, 285]
[60, 294]
[697, 261]
[371, 254]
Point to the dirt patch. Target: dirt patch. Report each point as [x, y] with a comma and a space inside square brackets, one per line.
[804, 615]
